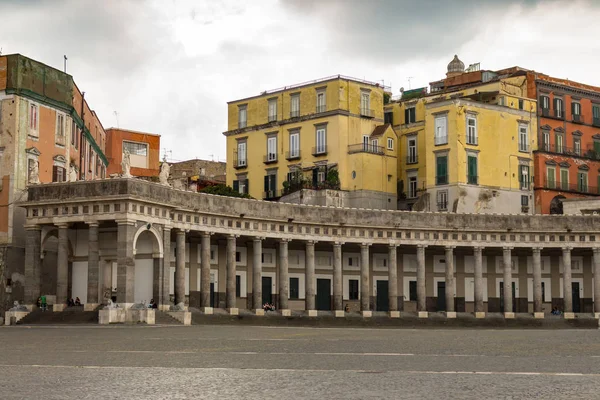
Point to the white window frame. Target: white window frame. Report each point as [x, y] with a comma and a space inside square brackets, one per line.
[321, 140]
[546, 140]
[523, 138]
[139, 145]
[442, 198]
[295, 105]
[34, 123]
[525, 184]
[272, 148]
[576, 107]
[584, 187]
[365, 102]
[295, 144]
[560, 145]
[441, 130]
[472, 129]
[559, 109]
[321, 101]
[412, 192]
[242, 153]
[390, 144]
[272, 109]
[412, 158]
[577, 146]
[242, 112]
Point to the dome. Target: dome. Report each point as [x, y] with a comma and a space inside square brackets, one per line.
[456, 65]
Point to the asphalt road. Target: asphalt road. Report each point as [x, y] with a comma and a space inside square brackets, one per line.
[235, 362]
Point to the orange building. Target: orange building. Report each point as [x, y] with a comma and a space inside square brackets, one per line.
[567, 161]
[144, 150]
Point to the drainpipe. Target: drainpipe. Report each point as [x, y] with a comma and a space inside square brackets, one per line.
[81, 148]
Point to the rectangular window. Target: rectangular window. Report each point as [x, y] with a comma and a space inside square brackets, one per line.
[577, 146]
[412, 290]
[58, 174]
[472, 170]
[321, 102]
[441, 170]
[520, 104]
[295, 105]
[582, 182]
[33, 118]
[441, 132]
[353, 289]
[546, 140]
[412, 187]
[524, 177]
[294, 145]
[412, 151]
[559, 143]
[596, 114]
[60, 129]
[321, 141]
[545, 103]
[238, 286]
[388, 118]
[242, 116]
[241, 185]
[524, 201]
[272, 148]
[564, 179]
[551, 177]
[272, 110]
[365, 103]
[270, 186]
[241, 154]
[74, 134]
[442, 200]
[523, 138]
[136, 149]
[294, 288]
[30, 165]
[558, 108]
[471, 129]
[238, 257]
[576, 111]
[90, 159]
[390, 144]
[410, 115]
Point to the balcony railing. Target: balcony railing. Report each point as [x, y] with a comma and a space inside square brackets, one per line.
[441, 179]
[596, 122]
[545, 112]
[553, 148]
[319, 151]
[270, 158]
[472, 180]
[273, 118]
[271, 194]
[577, 118]
[524, 147]
[294, 113]
[442, 205]
[438, 140]
[366, 112]
[292, 155]
[239, 162]
[295, 186]
[559, 114]
[321, 108]
[414, 159]
[571, 187]
[242, 124]
[365, 148]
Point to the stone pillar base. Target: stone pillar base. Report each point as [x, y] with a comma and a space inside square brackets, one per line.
[185, 317]
[147, 316]
[394, 314]
[367, 314]
[597, 315]
[30, 307]
[480, 314]
[164, 307]
[11, 317]
[509, 315]
[90, 306]
[538, 315]
[207, 310]
[312, 313]
[423, 314]
[286, 312]
[340, 313]
[569, 315]
[59, 307]
[233, 311]
[259, 311]
[450, 314]
[111, 316]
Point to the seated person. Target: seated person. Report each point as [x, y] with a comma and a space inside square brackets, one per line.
[70, 302]
[77, 301]
[152, 304]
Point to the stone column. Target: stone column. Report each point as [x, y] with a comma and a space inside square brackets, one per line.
[125, 263]
[62, 268]
[284, 280]
[567, 286]
[164, 302]
[421, 292]
[338, 299]
[507, 284]
[106, 281]
[257, 276]
[231, 299]
[478, 255]
[450, 313]
[310, 279]
[393, 280]
[205, 273]
[365, 289]
[33, 242]
[597, 282]
[537, 283]
[180, 268]
[93, 268]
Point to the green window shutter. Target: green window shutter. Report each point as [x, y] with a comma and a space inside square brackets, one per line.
[551, 174]
[247, 187]
[573, 108]
[266, 183]
[596, 111]
[236, 186]
[521, 175]
[315, 178]
[597, 147]
[406, 111]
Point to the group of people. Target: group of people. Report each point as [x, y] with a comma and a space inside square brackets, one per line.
[555, 311]
[269, 307]
[73, 303]
[152, 304]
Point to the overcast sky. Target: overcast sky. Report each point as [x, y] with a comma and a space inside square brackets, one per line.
[170, 66]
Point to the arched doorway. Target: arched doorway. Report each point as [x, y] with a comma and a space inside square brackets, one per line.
[49, 266]
[148, 252]
[556, 205]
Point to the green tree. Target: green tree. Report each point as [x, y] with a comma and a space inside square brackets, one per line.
[224, 190]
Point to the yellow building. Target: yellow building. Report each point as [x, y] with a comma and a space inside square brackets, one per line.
[324, 134]
[466, 146]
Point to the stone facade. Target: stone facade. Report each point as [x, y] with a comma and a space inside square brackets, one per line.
[211, 251]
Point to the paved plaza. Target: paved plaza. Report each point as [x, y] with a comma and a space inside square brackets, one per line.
[176, 362]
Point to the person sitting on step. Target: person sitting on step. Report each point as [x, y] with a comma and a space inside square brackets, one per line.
[70, 302]
[77, 301]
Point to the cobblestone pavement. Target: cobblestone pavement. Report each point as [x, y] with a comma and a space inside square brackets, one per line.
[143, 362]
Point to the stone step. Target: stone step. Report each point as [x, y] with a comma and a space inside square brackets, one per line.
[75, 315]
[162, 318]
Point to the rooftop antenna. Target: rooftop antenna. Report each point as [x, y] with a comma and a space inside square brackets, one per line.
[117, 118]
[65, 56]
[409, 78]
[212, 156]
[165, 151]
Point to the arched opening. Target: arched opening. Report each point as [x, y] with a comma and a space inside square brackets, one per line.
[49, 266]
[148, 251]
[556, 205]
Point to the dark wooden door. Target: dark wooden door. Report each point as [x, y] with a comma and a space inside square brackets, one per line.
[267, 283]
[441, 296]
[576, 298]
[323, 294]
[383, 301]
